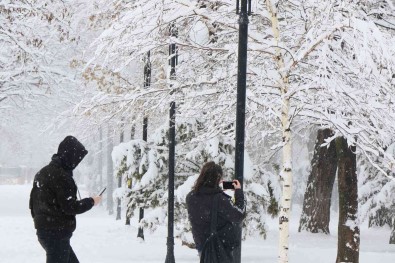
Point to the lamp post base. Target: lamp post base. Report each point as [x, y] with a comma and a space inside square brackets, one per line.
[170, 250]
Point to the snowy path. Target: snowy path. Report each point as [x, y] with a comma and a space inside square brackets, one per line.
[101, 239]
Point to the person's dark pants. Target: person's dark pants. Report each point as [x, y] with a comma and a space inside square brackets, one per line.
[58, 249]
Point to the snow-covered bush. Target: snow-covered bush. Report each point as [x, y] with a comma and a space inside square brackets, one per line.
[146, 164]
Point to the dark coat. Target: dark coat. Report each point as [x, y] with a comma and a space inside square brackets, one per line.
[53, 199]
[199, 211]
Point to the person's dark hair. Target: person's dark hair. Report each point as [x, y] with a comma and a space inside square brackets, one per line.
[210, 175]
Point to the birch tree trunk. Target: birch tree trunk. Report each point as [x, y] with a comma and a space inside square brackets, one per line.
[286, 173]
[286, 178]
[317, 199]
[348, 230]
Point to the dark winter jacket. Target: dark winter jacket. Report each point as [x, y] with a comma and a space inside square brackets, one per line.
[199, 211]
[53, 199]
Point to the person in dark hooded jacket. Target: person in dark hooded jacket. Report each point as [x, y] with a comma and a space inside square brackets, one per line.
[53, 202]
[199, 203]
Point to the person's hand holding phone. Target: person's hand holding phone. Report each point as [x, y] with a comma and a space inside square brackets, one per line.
[235, 184]
[96, 199]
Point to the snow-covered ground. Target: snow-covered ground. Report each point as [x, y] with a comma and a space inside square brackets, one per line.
[99, 238]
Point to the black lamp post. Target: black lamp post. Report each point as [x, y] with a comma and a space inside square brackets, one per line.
[241, 96]
[172, 143]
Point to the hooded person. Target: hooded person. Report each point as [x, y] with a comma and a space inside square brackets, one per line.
[54, 204]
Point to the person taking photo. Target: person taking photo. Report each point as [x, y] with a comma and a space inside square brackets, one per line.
[200, 206]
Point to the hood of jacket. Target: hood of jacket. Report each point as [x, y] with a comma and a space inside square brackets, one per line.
[71, 152]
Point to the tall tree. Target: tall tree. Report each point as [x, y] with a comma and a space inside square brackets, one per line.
[317, 200]
[298, 73]
[348, 230]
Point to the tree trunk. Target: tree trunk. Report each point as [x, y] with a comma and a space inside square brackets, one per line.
[286, 173]
[285, 204]
[100, 158]
[110, 175]
[128, 212]
[140, 232]
[129, 180]
[119, 209]
[348, 231]
[392, 237]
[118, 217]
[317, 198]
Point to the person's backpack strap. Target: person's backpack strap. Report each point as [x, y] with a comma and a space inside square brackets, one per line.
[214, 214]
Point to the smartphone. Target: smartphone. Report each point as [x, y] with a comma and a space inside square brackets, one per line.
[228, 185]
[102, 191]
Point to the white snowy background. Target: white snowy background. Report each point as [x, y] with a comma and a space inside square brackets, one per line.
[99, 238]
[71, 67]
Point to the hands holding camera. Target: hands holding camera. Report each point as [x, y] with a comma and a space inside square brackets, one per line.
[235, 184]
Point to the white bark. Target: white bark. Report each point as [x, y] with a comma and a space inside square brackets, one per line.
[286, 177]
[286, 174]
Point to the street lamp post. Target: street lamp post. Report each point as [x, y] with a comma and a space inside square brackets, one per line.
[172, 143]
[241, 96]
